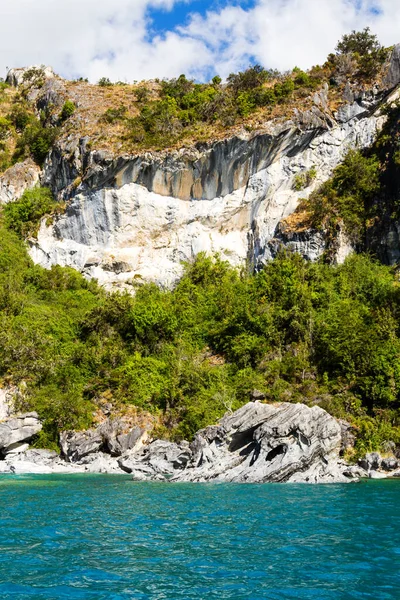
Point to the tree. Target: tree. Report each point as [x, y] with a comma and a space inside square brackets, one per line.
[365, 48]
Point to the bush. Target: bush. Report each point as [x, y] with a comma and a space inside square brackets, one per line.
[304, 179]
[24, 215]
[67, 110]
[36, 141]
[20, 117]
[115, 114]
[104, 82]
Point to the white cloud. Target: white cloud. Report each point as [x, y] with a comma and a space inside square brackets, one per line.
[95, 38]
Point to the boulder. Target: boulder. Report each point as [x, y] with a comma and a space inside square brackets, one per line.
[117, 442]
[348, 435]
[390, 464]
[5, 411]
[347, 112]
[371, 461]
[355, 472]
[17, 179]
[75, 445]
[27, 74]
[78, 446]
[156, 461]
[15, 430]
[377, 475]
[268, 443]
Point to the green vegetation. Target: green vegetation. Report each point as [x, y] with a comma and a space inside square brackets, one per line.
[67, 110]
[24, 215]
[362, 195]
[366, 51]
[295, 331]
[304, 179]
[184, 105]
[104, 82]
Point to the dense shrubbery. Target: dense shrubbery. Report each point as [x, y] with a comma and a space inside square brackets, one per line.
[23, 216]
[183, 104]
[295, 331]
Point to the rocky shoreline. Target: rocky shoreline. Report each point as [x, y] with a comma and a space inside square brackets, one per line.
[259, 443]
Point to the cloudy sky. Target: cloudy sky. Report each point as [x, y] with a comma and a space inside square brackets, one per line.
[140, 39]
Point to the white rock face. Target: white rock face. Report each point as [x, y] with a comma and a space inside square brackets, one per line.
[18, 178]
[119, 234]
[19, 75]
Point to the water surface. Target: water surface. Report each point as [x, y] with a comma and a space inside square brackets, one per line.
[106, 537]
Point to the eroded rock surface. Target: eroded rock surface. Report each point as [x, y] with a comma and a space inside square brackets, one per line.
[131, 217]
[17, 179]
[158, 460]
[268, 443]
[17, 429]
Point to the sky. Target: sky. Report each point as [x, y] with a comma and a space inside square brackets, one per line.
[131, 40]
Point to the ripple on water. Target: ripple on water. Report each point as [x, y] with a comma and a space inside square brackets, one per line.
[96, 537]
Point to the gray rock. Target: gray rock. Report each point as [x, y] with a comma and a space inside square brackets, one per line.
[377, 475]
[4, 405]
[76, 445]
[388, 447]
[119, 443]
[348, 94]
[158, 460]
[17, 76]
[16, 448]
[268, 443]
[350, 111]
[18, 429]
[371, 461]
[17, 179]
[348, 435]
[390, 464]
[257, 395]
[393, 76]
[355, 472]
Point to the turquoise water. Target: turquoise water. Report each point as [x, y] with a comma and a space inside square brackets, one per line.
[106, 537]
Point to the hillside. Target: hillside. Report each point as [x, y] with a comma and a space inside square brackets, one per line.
[153, 274]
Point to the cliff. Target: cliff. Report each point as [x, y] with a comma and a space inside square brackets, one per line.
[138, 216]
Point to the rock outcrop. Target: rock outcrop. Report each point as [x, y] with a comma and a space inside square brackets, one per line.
[16, 77]
[111, 437]
[259, 443]
[268, 443]
[17, 179]
[16, 431]
[140, 217]
[157, 461]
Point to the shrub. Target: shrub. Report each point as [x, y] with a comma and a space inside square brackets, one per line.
[67, 110]
[20, 117]
[114, 114]
[104, 82]
[252, 78]
[36, 140]
[304, 179]
[24, 215]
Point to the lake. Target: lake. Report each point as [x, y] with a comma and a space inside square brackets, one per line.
[97, 537]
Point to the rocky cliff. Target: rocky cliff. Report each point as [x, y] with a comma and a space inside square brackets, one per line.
[138, 217]
[142, 216]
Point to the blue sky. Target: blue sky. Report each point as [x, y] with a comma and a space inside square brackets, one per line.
[165, 20]
[142, 39]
